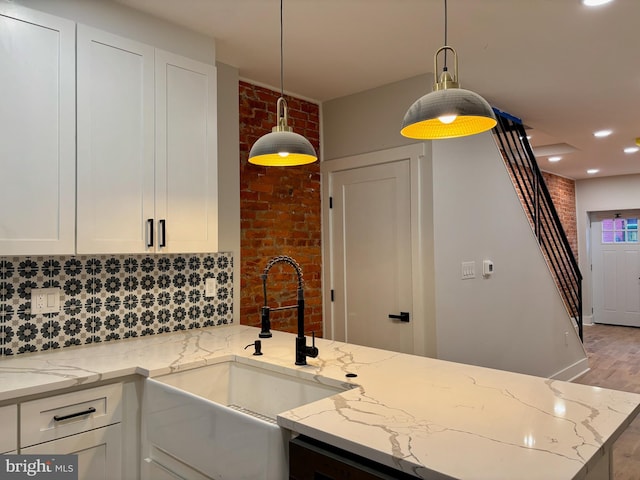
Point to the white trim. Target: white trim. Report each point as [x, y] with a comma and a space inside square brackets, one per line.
[373, 158]
[416, 153]
[572, 372]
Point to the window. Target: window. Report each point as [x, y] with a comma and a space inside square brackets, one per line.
[620, 230]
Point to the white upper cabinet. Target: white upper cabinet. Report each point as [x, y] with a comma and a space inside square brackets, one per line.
[147, 168]
[115, 142]
[186, 153]
[37, 132]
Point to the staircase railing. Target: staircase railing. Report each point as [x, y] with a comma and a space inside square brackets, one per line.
[536, 199]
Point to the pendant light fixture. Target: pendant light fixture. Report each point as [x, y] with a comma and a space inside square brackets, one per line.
[282, 147]
[448, 111]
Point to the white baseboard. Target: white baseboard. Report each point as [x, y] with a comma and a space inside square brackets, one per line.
[572, 372]
[587, 320]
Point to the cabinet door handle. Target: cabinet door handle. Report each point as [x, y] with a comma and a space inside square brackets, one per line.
[150, 232]
[162, 233]
[88, 411]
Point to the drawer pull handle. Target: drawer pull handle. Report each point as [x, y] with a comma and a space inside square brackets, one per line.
[88, 411]
[150, 232]
[162, 230]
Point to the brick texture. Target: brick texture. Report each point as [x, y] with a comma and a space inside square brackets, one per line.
[563, 194]
[280, 215]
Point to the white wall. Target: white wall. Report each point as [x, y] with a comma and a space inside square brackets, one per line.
[515, 319]
[370, 121]
[597, 195]
[229, 173]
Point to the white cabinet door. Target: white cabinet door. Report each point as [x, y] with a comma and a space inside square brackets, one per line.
[99, 452]
[186, 153]
[147, 153]
[115, 143]
[9, 422]
[37, 132]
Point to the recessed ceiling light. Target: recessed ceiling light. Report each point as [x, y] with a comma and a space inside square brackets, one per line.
[602, 133]
[595, 3]
[555, 159]
[592, 171]
[631, 149]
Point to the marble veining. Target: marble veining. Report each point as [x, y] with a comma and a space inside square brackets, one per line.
[434, 419]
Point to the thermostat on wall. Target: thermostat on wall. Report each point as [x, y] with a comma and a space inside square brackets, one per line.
[487, 268]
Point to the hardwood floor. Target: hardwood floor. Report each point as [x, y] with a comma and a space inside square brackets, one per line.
[614, 359]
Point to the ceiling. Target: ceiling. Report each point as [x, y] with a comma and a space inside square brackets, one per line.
[566, 70]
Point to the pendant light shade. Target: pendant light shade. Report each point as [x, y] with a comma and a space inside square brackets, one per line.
[282, 147]
[448, 111]
[427, 118]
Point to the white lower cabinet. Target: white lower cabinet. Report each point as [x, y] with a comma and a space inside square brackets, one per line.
[9, 423]
[85, 423]
[99, 452]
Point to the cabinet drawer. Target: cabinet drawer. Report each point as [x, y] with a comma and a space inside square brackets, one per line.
[59, 416]
[9, 423]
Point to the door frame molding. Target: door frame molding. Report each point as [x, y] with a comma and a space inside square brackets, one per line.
[423, 284]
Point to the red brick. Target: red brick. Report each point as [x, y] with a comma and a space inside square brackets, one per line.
[275, 218]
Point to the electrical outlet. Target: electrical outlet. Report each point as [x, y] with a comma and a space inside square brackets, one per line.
[45, 300]
[210, 287]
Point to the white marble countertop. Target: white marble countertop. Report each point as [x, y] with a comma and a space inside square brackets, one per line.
[429, 417]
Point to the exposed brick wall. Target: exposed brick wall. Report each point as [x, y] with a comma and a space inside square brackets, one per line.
[563, 194]
[280, 215]
[562, 191]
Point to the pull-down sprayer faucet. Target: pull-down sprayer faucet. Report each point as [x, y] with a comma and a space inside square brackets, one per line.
[302, 350]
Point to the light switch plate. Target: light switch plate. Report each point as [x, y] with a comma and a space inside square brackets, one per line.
[468, 270]
[210, 287]
[45, 300]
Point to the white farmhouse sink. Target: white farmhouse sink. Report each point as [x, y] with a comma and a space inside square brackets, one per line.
[218, 421]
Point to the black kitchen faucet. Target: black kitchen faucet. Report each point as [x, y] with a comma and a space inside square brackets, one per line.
[302, 350]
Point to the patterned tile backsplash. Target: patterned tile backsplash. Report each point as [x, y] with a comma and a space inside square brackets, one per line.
[110, 297]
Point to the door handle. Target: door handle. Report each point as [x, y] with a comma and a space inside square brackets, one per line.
[403, 317]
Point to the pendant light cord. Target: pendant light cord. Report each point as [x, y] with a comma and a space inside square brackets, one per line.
[282, 53]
